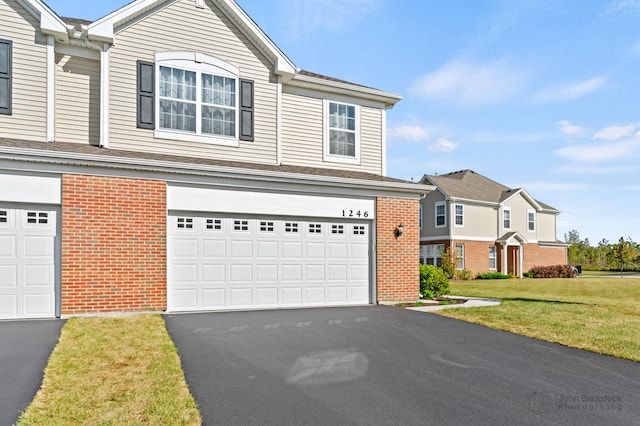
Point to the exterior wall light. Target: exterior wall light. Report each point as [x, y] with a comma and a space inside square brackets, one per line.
[399, 230]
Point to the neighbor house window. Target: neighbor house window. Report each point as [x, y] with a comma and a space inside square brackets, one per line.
[431, 254]
[193, 97]
[492, 258]
[459, 215]
[420, 216]
[5, 77]
[531, 220]
[342, 136]
[459, 256]
[506, 218]
[441, 215]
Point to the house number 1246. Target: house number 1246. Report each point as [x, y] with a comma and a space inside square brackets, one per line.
[355, 213]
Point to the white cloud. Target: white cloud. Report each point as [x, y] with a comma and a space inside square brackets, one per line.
[596, 153]
[568, 129]
[592, 169]
[443, 145]
[490, 136]
[570, 91]
[553, 186]
[612, 133]
[307, 16]
[413, 133]
[623, 7]
[473, 85]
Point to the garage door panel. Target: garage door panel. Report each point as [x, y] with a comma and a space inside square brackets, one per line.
[241, 297]
[185, 299]
[241, 249]
[38, 275]
[213, 298]
[315, 272]
[292, 273]
[187, 248]
[185, 274]
[292, 296]
[214, 249]
[267, 249]
[315, 295]
[337, 272]
[8, 246]
[240, 273]
[37, 305]
[214, 274]
[8, 276]
[38, 247]
[267, 296]
[266, 273]
[8, 305]
[338, 294]
[338, 251]
[267, 262]
[292, 250]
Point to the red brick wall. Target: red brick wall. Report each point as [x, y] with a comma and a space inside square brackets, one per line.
[398, 272]
[113, 244]
[535, 255]
[476, 255]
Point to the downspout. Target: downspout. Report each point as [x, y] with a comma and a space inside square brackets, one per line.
[279, 122]
[521, 255]
[51, 89]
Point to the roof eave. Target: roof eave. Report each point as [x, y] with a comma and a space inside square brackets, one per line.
[344, 88]
[94, 160]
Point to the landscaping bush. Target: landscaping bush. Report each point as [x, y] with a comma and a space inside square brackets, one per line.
[433, 282]
[493, 276]
[553, 271]
[463, 274]
[528, 274]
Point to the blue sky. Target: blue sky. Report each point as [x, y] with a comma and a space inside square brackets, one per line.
[538, 94]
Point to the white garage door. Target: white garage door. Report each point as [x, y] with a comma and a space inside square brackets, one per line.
[238, 263]
[27, 271]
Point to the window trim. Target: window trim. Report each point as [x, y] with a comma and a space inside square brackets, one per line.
[443, 215]
[420, 215]
[198, 63]
[531, 222]
[504, 211]
[326, 132]
[455, 215]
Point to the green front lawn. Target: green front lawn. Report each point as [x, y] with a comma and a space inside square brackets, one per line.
[597, 314]
[113, 371]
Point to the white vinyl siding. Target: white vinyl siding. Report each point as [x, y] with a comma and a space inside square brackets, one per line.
[77, 100]
[28, 119]
[210, 34]
[302, 135]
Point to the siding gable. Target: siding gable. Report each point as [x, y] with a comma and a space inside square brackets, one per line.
[181, 26]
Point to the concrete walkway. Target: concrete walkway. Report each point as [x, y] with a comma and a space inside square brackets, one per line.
[471, 302]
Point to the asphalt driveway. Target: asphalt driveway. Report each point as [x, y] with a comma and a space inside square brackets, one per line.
[385, 365]
[25, 347]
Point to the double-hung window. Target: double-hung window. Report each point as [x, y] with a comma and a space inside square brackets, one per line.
[189, 96]
[441, 215]
[342, 135]
[531, 220]
[492, 258]
[459, 215]
[506, 218]
[459, 256]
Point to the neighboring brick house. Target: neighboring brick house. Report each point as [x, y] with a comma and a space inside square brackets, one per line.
[487, 226]
[169, 157]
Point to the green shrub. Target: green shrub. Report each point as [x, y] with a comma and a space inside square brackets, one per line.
[493, 276]
[528, 274]
[463, 274]
[433, 282]
[448, 263]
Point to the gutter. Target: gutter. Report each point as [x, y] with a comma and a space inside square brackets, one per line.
[104, 161]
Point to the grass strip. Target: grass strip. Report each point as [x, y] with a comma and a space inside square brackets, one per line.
[601, 315]
[113, 371]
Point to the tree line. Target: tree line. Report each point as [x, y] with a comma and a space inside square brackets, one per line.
[605, 256]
